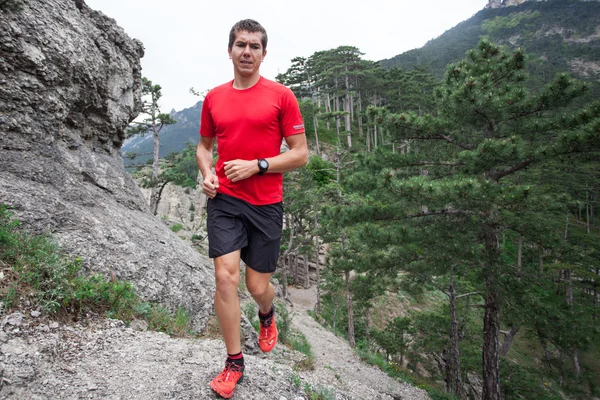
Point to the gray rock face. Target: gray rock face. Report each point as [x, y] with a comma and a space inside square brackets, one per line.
[70, 82]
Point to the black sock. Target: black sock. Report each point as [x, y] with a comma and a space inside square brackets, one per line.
[266, 319]
[237, 359]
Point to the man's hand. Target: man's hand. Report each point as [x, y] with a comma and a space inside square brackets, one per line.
[210, 185]
[237, 170]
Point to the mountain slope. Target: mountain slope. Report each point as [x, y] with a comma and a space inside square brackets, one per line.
[559, 35]
[172, 137]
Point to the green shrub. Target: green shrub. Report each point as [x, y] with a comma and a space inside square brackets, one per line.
[39, 276]
[176, 227]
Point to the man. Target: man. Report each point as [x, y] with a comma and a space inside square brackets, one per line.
[249, 117]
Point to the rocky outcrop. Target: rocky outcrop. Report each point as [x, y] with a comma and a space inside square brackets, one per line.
[184, 207]
[70, 82]
[504, 3]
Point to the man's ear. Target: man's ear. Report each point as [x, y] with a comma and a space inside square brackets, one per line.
[229, 51]
[264, 54]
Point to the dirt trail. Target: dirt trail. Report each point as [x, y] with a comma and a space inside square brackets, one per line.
[337, 368]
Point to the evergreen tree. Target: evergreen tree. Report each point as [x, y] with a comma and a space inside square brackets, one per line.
[154, 122]
[454, 202]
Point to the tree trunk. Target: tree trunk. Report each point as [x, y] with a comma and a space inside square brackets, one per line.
[335, 306]
[348, 110]
[360, 121]
[520, 256]
[576, 365]
[491, 319]
[508, 340]
[155, 194]
[541, 259]
[283, 282]
[367, 318]
[155, 155]
[587, 212]
[316, 125]
[571, 302]
[375, 136]
[328, 109]
[351, 339]
[307, 272]
[318, 275]
[337, 119]
[368, 139]
[296, 272]
[454, 384]
[286, 256]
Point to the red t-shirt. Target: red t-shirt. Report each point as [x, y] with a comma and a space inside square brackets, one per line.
[250, 124]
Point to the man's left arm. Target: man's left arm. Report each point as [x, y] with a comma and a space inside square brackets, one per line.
[295, 157]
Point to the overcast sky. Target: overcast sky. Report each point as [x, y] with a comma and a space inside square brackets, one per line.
[186, 40]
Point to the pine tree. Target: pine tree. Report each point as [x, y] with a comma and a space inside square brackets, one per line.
[154, 122]
[454, 201]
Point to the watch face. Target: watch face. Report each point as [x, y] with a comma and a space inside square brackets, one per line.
[263, 164]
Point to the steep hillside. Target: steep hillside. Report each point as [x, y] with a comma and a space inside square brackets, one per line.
[559, 35]
[172, 137]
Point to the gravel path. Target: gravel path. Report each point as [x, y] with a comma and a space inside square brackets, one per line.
[103, 359]
[337, 368]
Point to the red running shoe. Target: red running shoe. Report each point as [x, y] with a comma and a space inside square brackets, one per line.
[224, 383]
[267, 337]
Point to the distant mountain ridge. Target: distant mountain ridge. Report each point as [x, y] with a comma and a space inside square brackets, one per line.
[172, 137]
[558, 35]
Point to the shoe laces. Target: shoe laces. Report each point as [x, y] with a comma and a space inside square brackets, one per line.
[266, 323]
[231, 370]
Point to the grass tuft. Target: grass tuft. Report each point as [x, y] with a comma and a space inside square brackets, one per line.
[37, 275]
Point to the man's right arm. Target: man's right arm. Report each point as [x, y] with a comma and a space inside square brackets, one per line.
[204, 157]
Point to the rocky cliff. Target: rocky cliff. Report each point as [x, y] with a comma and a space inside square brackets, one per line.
[70, 82]
[504, 3]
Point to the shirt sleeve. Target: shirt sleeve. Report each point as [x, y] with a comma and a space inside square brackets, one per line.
[207, 125]
[291, 118]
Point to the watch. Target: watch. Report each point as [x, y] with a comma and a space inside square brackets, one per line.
[263, 166]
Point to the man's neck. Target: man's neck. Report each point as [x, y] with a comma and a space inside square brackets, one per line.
[242, 82]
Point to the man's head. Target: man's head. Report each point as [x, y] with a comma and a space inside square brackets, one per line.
[248, 25]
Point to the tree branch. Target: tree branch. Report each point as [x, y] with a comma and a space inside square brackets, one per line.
[467, 294]
[445, 212]
[445, 163]
[501, 174]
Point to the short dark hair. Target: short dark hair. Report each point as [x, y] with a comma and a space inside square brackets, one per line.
[248, 25]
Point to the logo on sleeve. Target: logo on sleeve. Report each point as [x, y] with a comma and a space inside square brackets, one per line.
[297, 127]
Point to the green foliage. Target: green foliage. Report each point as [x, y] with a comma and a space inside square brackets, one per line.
[392, 370]
[511, 21]
[36, 273]
[284, 321]
[394, 338]
[319, 393]
[533, 26]
[250, 311]
[176, 227]
[417, 214]
[11, 5]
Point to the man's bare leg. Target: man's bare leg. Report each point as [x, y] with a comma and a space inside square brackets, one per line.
[261, 289]
[227, 303]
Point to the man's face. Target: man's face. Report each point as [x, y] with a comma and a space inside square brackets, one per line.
[247, 53]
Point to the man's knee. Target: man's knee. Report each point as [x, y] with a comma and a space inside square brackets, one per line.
[257, 287]
[227, 279]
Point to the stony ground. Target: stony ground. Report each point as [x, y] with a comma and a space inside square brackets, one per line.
[103, 359]
[337, 368]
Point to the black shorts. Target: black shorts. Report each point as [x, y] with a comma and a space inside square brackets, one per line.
[234, 224]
